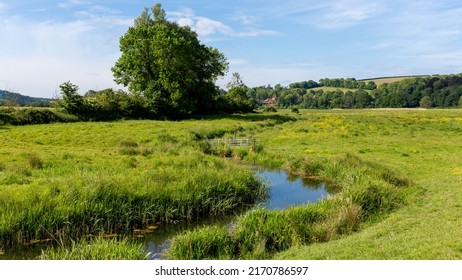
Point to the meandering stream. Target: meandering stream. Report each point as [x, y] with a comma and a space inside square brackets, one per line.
[284, 191]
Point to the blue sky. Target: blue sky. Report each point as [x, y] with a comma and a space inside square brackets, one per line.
[45, 43]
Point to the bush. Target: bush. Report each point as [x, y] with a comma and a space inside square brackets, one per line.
[25, 116]
[270, 109]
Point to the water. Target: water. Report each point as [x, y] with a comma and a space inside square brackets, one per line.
[157, 243]
[284, 191]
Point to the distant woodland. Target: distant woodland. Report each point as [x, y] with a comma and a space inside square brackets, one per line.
[425, 91]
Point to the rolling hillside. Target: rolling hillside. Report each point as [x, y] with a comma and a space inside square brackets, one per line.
[16, 99]
[382, 80]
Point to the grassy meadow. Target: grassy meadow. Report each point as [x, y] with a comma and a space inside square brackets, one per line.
[388, 80]
[400, 172]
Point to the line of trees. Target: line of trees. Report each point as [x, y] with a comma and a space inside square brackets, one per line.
[109, 104]
[350, 83]
[426, 92]
[168, 72]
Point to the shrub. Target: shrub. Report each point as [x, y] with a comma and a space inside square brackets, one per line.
[35, 161]
[270, 109]
[26, 116]
[295, 111]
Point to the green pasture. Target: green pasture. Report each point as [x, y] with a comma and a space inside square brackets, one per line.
[329, 88]
[388, 80]
[426, 145]
[68, 181]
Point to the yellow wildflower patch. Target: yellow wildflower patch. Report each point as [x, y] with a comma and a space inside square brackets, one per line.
[457, 171]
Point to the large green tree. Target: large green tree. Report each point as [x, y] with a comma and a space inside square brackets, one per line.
[168, 65]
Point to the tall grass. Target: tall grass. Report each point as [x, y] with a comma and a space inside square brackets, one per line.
[262, 232]
[90, 184]
[94, 204]
[99, 249]
[210, 242]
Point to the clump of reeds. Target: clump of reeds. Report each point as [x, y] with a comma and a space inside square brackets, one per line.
[210, 242]
[262, 232]
[99, 249]
[131, 148]
[194, 188]
[35, 161]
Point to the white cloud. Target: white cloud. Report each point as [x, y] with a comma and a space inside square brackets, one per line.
[41, 75]
[245, 19]
[355, 10]
[72, 3]
[206, 27]
[39, 55]
[3, 7]
[237, 61]
[331, 14]
[417, 31]
[346, 13]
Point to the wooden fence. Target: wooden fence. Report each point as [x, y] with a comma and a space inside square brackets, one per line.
[234, 142]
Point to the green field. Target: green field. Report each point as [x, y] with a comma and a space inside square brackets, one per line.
[327, 88]
[389, 80]
[70, 181]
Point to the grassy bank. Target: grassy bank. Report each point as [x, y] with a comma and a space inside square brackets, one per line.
[368, 191]
[65, 181]
[425, 145]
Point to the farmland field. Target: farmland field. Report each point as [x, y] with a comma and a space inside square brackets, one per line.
[328, 88]
[70, 181]
[389, 80]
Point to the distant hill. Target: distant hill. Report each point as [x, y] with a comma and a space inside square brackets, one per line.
[16, 99]
[382, 80]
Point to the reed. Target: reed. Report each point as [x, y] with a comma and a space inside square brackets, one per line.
[210, 242]
[260, 233]
[102, 178]
[99, 249]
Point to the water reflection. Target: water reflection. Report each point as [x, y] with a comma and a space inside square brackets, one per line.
[284, 190]
[159, 241]
[287, 190]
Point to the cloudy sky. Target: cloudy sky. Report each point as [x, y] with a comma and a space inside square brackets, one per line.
[45, 43]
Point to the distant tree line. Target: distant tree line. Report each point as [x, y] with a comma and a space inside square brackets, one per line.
[350, 83]
[426, 92]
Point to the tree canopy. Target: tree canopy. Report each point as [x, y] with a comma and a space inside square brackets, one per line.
[168, 65]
